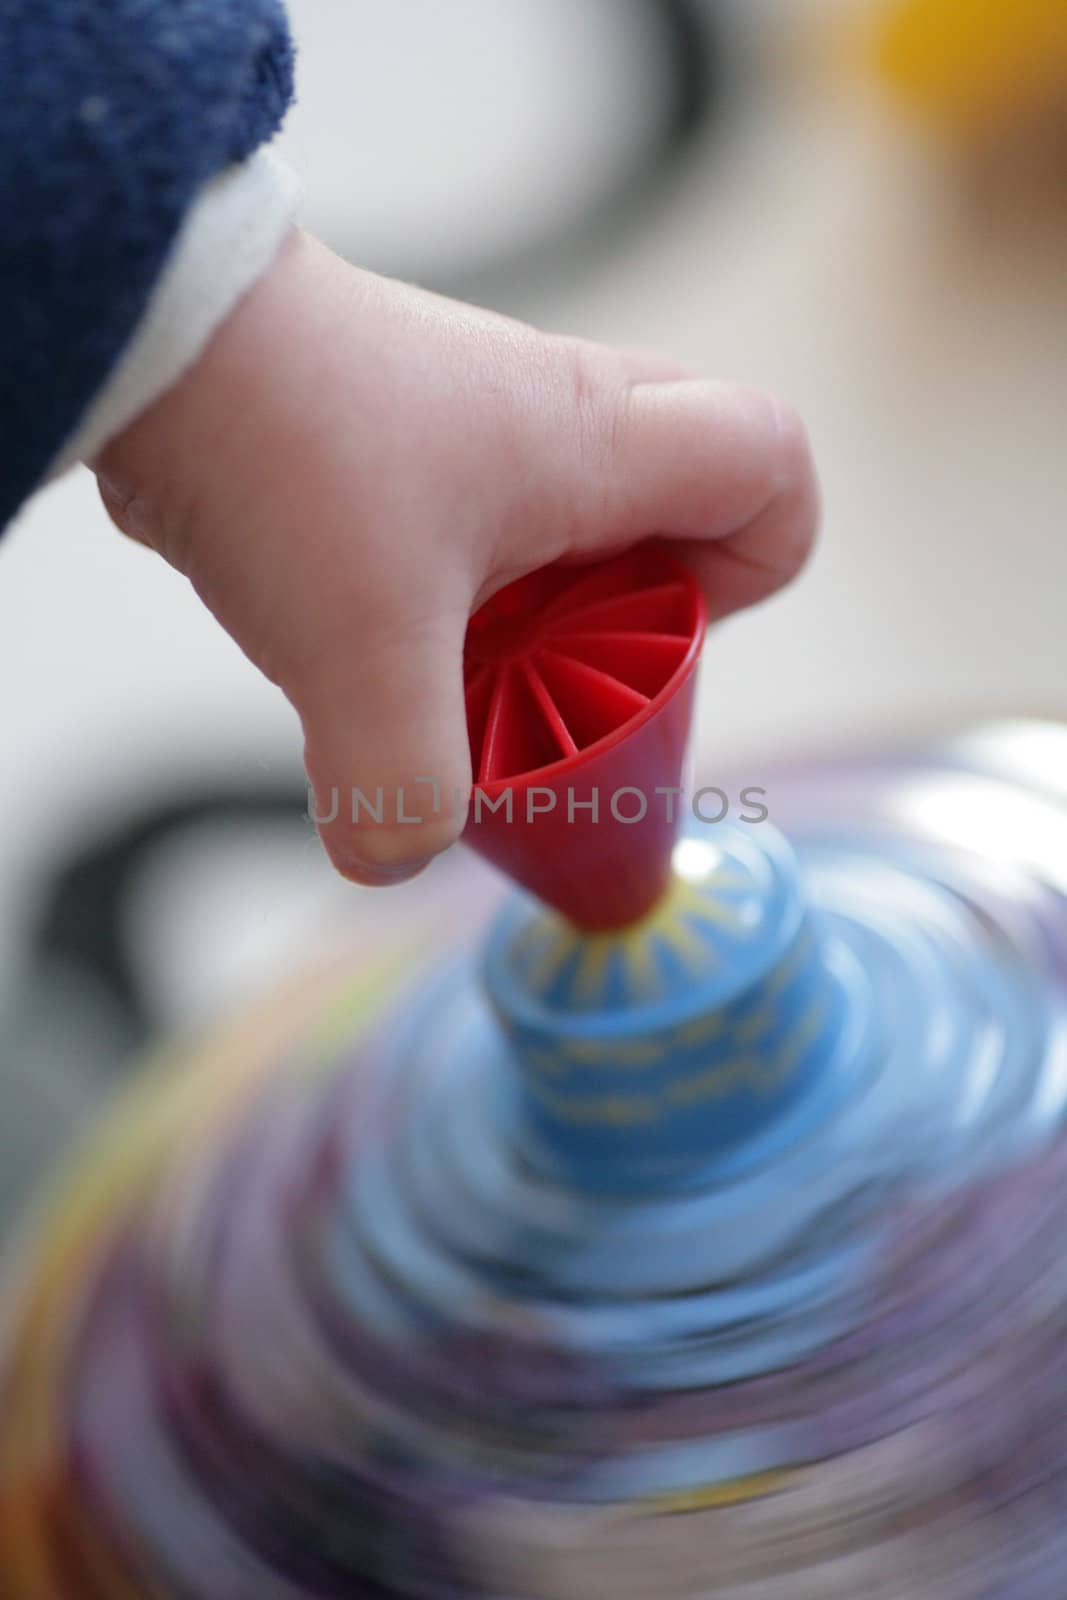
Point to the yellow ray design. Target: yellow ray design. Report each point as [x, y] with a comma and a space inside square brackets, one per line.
[693, 952]
[790, 965]
[716, 914]
[590, 977]
[644, 981]
[712, 1495]
[701, 1030]
[548, 1062]
[756, 1026]
[546, 964]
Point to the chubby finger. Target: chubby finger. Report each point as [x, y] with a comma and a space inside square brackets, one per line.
[386, 746]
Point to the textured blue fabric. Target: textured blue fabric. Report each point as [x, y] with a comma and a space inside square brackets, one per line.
[113, 113]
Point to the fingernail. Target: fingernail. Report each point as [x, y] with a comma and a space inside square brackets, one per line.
[792, 441]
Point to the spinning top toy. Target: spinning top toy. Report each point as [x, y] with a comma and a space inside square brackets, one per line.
[687, 1223]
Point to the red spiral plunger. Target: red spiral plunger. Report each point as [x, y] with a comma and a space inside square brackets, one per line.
[579, 690]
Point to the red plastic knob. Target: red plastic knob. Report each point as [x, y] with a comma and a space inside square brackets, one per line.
[579, 688]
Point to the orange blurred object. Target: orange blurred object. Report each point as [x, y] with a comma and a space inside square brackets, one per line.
[969, 64]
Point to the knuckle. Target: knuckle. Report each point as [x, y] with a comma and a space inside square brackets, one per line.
[598, 399]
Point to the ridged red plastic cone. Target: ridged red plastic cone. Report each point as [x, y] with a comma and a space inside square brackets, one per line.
[579, 688]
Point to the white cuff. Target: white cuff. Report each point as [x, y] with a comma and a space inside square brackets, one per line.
[228, 240]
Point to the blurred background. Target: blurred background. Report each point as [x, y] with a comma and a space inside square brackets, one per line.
[863, 205]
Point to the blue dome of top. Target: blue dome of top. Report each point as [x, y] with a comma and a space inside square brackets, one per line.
[649, 1049]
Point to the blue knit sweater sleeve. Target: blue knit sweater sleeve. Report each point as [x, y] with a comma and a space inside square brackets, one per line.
[113, 114]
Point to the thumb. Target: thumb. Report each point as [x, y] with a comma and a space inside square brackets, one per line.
[386, 746]
[722, 468]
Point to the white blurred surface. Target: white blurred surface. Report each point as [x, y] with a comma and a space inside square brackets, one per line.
[816, 250]
[527, 112]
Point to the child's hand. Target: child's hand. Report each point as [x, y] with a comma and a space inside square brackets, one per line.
[354, 465]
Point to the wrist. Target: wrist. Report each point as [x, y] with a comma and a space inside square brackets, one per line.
[227, 241]
[168, 468]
